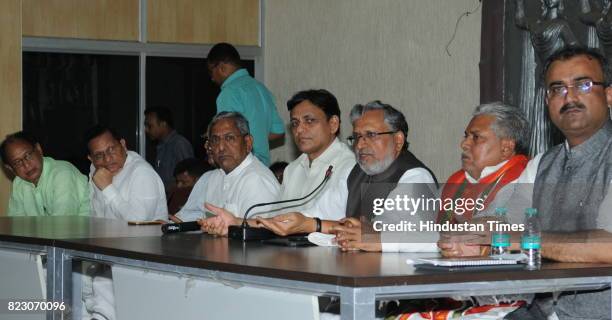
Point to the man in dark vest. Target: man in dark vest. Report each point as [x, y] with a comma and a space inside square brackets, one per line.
[383, 162]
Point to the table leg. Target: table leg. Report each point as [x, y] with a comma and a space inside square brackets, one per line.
[357, 303]
[59, 288]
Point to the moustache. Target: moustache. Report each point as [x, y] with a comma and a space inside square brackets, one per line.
[572, 105]
[365, 153]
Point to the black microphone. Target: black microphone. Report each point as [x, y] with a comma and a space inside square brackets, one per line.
[180, 227]
[245, 232]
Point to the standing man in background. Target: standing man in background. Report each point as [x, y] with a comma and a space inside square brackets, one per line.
[241, 93]
[171, 147]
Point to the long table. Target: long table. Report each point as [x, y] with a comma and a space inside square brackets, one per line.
[358, 278]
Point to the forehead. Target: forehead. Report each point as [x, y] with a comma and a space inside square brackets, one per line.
[183, 176]
[101, 142]
[371, 120]
[306, 108]
[575, 67]
[224, 126]
[150, 116]
[17, 147]
[480, 123]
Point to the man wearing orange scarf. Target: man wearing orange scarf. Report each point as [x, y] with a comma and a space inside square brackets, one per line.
[493, 156]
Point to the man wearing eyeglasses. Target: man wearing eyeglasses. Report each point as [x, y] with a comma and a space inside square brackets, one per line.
[123, 185]
[571, 190]
[42, 186]
[241, 180]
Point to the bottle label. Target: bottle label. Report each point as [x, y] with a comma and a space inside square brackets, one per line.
[530, 242]
[500, 240]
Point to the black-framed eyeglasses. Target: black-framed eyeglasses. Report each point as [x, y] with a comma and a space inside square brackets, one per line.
[109, 152]
[582, 87]
[27, 157]
[368, 136]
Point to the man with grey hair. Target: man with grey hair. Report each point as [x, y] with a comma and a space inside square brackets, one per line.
[493, 158]
[494, 149]
[241, 180]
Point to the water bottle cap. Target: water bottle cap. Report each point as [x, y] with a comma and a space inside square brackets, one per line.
[530, 212]
[500, 211]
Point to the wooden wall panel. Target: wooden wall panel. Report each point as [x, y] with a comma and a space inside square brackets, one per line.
[82, 19]
[203, 21]
[10, 80]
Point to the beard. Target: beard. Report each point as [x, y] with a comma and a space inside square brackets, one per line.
[378, 166]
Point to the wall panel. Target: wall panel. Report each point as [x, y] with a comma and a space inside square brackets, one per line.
[82, 19]
[392, 50]
[203, 21]
[10, 80]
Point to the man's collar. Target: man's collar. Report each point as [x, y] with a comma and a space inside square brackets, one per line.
[237, 74]
[167, 138]
[485, 172]
[324, 157]
[238, 170]
[46, 167]
[592, 145]
[390, 170]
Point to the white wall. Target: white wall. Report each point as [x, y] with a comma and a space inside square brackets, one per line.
[392, 50]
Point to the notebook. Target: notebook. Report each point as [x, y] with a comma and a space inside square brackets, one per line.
[472, 261]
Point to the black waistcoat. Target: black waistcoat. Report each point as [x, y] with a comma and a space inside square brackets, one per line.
[363, 188]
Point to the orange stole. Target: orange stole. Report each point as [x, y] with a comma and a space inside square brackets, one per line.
[457, 186]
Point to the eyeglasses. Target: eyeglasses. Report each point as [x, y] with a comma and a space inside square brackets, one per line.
[368, 136]
[109, 152]
[229, 138]
[27, 157]
[581, 86]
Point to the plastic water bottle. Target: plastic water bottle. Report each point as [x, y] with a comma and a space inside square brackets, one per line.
[500, 237]
[532, 239]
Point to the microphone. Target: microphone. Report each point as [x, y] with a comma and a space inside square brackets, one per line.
[180, 227]
[245, 232]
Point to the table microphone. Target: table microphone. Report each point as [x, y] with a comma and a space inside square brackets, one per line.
[245, 232]
[180, 227]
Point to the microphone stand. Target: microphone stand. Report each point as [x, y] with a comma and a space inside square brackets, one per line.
[245, 232]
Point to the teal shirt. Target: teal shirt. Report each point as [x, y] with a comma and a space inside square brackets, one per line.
[61, 190]
[241, 93]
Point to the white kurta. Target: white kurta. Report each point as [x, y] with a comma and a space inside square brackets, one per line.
[301, 176]
[248, 184]
[137, 193]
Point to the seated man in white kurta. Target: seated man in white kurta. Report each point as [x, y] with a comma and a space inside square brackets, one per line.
[241, 180]
[315, 125]
[123, 185]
